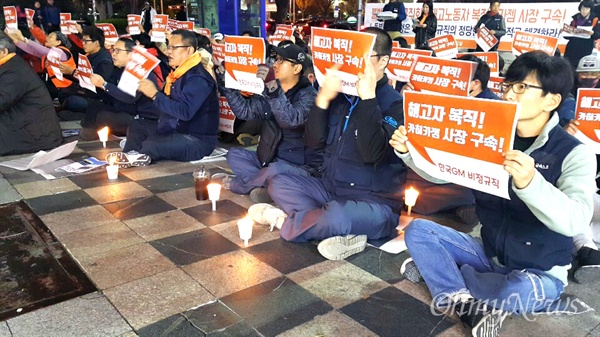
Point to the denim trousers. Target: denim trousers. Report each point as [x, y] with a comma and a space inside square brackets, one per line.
[453, 263]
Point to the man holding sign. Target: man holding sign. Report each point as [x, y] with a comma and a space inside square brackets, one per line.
[494, 22]
[521, 264]
[359, 193]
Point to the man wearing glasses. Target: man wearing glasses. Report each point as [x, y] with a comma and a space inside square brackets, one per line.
[117, 109]
[520, 264]
[283, 109]
[189, 110]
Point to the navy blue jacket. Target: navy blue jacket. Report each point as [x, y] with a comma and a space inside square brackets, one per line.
[192, 108]
[488, 94]
[359, 163]
[512, 232]
[138, 105]
[51, 15]
[394, 25]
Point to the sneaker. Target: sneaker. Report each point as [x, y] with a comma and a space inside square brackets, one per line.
[129, 159]
[266, 214]
[88, 134]
[246, 139]
[588, 260]
[467, 215]
[410, 271]
[484, 321]
[341, 247]
[260, 195]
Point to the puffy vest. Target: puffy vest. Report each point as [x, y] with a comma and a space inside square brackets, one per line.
[52, 76]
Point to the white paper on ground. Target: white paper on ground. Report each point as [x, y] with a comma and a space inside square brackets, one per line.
[40, 158]
[396, 245]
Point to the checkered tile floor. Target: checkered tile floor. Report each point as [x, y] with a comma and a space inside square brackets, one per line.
[166, 265]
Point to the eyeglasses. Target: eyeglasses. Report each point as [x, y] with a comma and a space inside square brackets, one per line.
[171, 48]
[87, 41]
[279, 60]
[118, 50]
[518, 88]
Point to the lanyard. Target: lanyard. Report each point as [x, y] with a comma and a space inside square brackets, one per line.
[353, 102]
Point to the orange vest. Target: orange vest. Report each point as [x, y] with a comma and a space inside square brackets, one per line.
[69, 62]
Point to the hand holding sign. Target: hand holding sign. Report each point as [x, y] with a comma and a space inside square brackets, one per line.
[65, 69]
[97, 80]
[520, 166]
[267, 74]
[147, 88]
[399, 139]
[330, 88]
[367, 82]
[572, 127]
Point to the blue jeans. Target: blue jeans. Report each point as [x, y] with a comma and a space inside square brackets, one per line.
[250, 174]
[452, 262]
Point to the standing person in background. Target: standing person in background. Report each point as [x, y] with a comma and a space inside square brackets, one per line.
[38, 16]
[426, 26]
[579, 47]
[51, 17]
[394, 26]
[148, 14]
[493, 21]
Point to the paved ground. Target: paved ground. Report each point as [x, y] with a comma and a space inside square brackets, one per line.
[166, 265]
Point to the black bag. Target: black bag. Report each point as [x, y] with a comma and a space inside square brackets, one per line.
[270, 137]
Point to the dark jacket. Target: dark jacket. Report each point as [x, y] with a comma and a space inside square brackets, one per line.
[28, 122]
[422, 35]
[495, 23]
[51, 15]
[359, 163]
[487, 93]
[138, 105]
[192, 108]
[284, 116]
[102, 64]
[394, 25]
[577, 48]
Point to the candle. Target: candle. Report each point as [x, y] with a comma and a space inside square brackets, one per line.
[103, 135]
[410, 197]
[245, 228]
[112, 170]
[214, 192]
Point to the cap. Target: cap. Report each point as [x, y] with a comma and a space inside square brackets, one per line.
[293, 53]
[589, 63]
[218, 36]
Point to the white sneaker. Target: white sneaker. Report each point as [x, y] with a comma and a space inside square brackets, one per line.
[266, 214]
[341, 247]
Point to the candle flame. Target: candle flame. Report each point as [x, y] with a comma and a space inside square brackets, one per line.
[103, 134]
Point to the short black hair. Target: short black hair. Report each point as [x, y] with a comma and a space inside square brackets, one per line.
[187, 37]
[383, 42]
[493, 2]
[203, 42]
[95, 34]
[129, 44]
[482, 72]
[402, 41]
[430, 5]
[250, 33]
[553, 73]
[587, 4]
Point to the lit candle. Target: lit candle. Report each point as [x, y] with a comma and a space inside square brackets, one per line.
[103, 135]
[112, 170]
[245, 228]
[410, 198]
[214, 192]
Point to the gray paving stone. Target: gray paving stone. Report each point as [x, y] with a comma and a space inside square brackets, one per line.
[90, 315]
[4, 331]
[9, 194]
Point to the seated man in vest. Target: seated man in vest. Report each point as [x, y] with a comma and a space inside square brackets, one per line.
[189, 110]
[118, 108]
[28, 122]
[359, 193]
[283, 110]
[520, 264]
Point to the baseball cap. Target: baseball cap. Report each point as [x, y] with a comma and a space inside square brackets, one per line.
[218, 36]
[589, 63]
[294, 53]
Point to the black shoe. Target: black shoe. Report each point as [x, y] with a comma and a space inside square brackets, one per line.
[588, 260]
[467, 215]
[484, 321]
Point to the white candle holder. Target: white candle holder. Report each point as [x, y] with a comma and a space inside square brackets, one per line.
[103, 135]
[245, 228]
[410, 198]
[214, 193]
[112, 171]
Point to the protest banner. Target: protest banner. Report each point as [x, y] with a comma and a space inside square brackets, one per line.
[282, 33]
[451, 77]
[64, 28]
[243, 54]
[133, 24]
[53, 61]
[226, 116]
[587, 113]
[159, 28]
[84, 72]
[461, 140]
[10, 18]
[526, 42]
[203, 31]
[484, 39]
[138, 68]
[445, 46]
[110, 33]
[494, 85]
[218, 53]
[184, 25]
[491, 58]
[30, 14]
[459, 19]
[343, 47]
[171, 25]
[72, 24]
[401, 62]
[580, 32]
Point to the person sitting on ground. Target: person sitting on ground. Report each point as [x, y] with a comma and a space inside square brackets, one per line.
[118, 109]
[359, 193]
[28, 122]
[521, 263]
[189, 121]
[283, 110]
